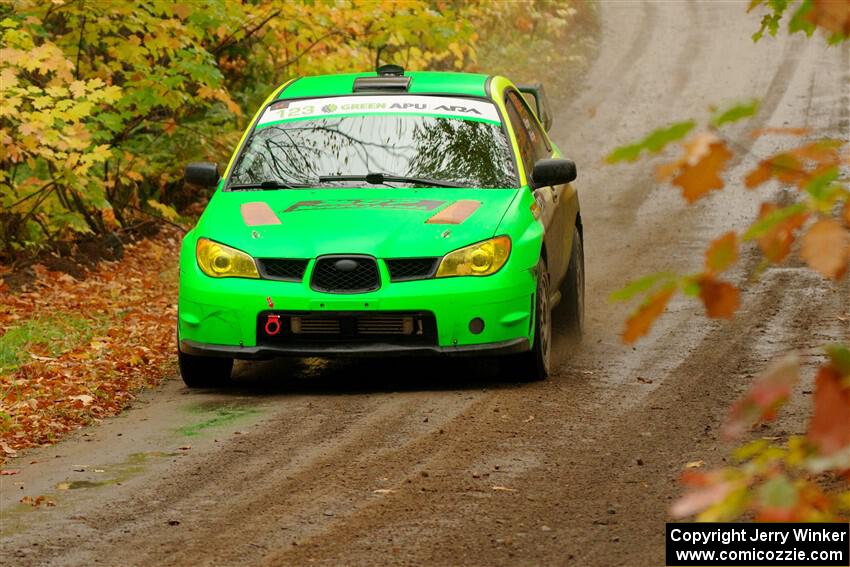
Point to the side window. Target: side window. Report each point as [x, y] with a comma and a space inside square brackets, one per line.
[526, 147]
[538, 146]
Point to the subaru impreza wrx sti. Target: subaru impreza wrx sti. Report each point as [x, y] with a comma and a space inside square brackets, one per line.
[385, 213]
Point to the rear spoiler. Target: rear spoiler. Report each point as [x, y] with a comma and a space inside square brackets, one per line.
[536, 98]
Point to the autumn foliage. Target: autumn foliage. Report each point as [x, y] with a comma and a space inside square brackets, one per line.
[129, 309]
[102, 103]
[794, 481]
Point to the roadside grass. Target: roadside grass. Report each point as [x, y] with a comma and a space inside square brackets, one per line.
[75, 351]
[46, 335]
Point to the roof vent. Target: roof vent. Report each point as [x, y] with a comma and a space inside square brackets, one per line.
[390, 71]
[390, 79]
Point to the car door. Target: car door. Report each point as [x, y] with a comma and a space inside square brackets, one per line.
[534, 145]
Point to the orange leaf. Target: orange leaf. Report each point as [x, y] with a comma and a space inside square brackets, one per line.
[776, 243]
[847, 213]
[830, 425]
[170, 127]
[641, 321]
[826, 248]
[769, 391]
[698, 179]
[722, 253]
[759, 175]
[720, 298]
[832, 15]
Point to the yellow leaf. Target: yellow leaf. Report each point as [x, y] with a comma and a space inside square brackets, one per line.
[77, 88]
[78, 111]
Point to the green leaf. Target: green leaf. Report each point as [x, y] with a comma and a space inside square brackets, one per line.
[640, 285]
[821, 188]
[839, 354]
[763, 226]
[800, 22]
[653, 143]
[735, 113]
[778, 492]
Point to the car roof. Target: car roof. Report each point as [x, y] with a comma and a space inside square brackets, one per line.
[422, 82]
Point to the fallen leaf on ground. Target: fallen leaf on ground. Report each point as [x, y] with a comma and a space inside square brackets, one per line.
[694, 464]
[504, 489]
[9, 472]
[383, 491]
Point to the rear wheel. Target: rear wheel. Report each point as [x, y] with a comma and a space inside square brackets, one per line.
[536, 363]
[204, 371]
[570, 314]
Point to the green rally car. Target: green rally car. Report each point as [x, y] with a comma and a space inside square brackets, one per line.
[385, 213]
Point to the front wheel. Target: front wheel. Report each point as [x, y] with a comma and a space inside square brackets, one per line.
[536, 363]
[204, 371]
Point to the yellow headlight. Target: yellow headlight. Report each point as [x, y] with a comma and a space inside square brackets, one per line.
[480, 259]
[220, 261]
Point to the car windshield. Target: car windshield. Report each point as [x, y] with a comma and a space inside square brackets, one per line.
[455, 143]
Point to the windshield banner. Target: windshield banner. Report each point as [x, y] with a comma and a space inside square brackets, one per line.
[449, 107]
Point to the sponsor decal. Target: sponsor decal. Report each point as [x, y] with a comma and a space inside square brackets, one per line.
[452, 107]
[258, 214]
[455, 213]
[335, 204]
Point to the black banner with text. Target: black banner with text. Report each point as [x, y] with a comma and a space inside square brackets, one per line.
[758, 545]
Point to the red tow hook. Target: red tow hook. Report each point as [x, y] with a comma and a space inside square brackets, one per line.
[273, 325]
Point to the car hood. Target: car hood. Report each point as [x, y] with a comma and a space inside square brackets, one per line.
[385, 222]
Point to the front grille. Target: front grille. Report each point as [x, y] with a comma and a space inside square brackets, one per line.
[406, 269]
[315, 326]
[345, 274]
[386, 325]
[346, 327]
[284, 269]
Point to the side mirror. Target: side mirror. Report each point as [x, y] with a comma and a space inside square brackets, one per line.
[202, 173]
[553, 172]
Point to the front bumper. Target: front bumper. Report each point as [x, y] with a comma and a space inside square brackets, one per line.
[220, 316]
[374, 349]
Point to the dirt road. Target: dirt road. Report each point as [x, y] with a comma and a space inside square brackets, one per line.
[409, 462]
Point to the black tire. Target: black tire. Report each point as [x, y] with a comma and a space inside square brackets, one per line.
[536, 363]
[570, 313]
[204, 371]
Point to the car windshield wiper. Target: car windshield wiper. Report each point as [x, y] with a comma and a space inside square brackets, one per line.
[381, 178]
[268, 185]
